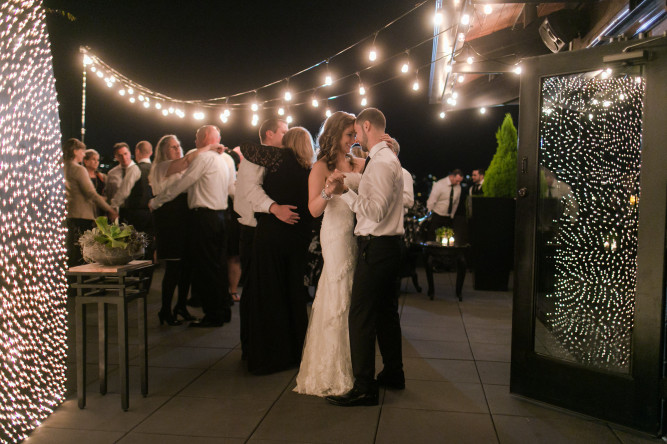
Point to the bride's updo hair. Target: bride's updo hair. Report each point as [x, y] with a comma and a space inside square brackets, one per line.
[330, 135]
[299, 140]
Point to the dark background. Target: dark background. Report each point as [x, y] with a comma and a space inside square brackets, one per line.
[201, 50]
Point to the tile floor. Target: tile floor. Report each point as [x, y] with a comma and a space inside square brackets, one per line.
[457, 361]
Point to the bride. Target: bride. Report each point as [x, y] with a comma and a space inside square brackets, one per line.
[326, 367]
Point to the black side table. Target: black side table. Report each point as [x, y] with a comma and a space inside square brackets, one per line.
[119, 285]
[436, 252]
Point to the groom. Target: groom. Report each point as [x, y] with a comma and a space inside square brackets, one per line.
[374, 300]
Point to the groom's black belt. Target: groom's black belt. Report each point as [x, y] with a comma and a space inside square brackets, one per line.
[369, 237]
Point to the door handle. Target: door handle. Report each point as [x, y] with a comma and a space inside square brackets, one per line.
[523, 192]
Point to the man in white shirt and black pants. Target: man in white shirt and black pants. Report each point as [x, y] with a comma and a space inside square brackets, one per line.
[207, 181]
[379, 229]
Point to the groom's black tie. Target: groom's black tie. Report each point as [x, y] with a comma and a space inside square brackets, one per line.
[368, 159]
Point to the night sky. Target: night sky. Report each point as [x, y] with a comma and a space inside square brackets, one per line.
[202, 49]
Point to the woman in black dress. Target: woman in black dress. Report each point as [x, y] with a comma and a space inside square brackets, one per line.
[277, 297]
[171, 222]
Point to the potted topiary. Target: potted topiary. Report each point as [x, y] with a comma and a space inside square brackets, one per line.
[112, 244]
[492, 220]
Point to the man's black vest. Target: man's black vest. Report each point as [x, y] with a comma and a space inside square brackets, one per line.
[141, 191]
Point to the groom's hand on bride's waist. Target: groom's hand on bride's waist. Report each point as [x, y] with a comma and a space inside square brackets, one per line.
[284, 213]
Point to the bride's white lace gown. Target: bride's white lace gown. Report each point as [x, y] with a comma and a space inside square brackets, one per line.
[326, 367]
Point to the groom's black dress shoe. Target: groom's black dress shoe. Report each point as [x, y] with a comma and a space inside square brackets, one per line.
[353, 398]
[393, 381]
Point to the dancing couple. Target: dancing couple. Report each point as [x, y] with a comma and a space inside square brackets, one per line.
[356, 299]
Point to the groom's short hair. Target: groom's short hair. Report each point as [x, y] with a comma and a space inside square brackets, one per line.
[374, 116]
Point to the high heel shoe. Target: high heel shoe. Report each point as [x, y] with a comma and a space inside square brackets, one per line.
[183, 312]
[168, 318]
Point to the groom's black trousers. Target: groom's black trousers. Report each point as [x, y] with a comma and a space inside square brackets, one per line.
[374, 309]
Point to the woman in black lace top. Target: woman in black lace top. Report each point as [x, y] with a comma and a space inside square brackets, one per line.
[277, 314]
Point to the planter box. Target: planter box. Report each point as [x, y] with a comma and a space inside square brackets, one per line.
[492, 239]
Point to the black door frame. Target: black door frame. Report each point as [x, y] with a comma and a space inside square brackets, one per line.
[634, 400]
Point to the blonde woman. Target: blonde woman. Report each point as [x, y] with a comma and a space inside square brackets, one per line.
[170, 221]
[275, 293]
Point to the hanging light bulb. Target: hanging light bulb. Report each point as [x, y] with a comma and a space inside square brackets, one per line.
[482, 110]
[442, 114]
[171, 110]
[415, 84]
[328, 113]
[465, 19]
[93, 69]
[289, 119]
[165, 112]
[121, 92]
[362, 90]
[455, 95]
[488, 9]
[461, 37]
[281, 111]
[405, 67]
[517, 70]
[87, 60]
[364, 102]
[288, 96]
[130, 91]
[254, 106]
[146, 104]
[255, 119]
[198, 115]
[469, 60]
[460, 78]
[372, 55]
[132, 100]
[180, 113]
[226, 112]
[141, 97]
[223, 118]
[315, 102]
[328, 80]
[438, 18]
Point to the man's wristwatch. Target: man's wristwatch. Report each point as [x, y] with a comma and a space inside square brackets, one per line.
[325, 196]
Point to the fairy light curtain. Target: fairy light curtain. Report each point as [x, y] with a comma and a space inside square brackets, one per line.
[590, 152]
[32, 211]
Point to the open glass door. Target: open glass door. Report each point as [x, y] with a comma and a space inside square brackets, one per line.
[587, 331]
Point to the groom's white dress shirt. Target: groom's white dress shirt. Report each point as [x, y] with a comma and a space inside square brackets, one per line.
[379, 204]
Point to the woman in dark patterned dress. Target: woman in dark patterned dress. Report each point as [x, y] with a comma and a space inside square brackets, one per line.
[277, 297]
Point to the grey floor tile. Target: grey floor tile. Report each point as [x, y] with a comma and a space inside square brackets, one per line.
[162, 381]
[235, 385]
[49, 435]
[104, 413]
[301, 420]
[421, 318]
[491, 352]
[183, 357]
[438, 395]
[489, 335]
[501, 402]
[423, 426]
[453, 332]
[629, 437]
[521, 430]
[494, 372]
[413, 348]
[440, 370]
[231, 362]
[155, 438]
[206, 417]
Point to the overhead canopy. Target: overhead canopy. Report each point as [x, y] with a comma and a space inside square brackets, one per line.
[479, 44]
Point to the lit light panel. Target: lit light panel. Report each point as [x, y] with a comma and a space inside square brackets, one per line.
[32, 212]
[590, 137]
